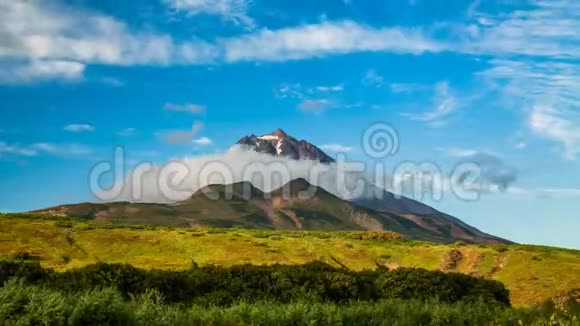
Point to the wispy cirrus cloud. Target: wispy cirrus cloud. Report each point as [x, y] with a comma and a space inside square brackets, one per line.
[534, 65]
[444, 102]
[36, 149]
[203, 141]
[84, 127]
[545, 192]
[186, 107]
[314, 99]
[337, 148]
[547, 29]
[548, 92]
[295, 91]
[330, 89]
[181, 136]
[15, 149]
[373, 78]
[62, 149]
[406, 87]
[559, 126]
[26, 72]
[235, 11]
[112, 81]
[314, 105]
[127, 132]
[299, 91]
[327, 38]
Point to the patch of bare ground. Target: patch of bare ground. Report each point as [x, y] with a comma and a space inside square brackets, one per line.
[452, 260]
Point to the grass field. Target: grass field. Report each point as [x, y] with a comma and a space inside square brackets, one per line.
[533, 274]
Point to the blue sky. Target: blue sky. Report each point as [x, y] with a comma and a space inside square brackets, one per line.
[492, 81]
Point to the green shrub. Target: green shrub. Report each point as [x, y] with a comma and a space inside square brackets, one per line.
[500, 248]
[101, 307]
[376, 235]
[33, 305]
[64, 224]
[459, 244]
[222, 286]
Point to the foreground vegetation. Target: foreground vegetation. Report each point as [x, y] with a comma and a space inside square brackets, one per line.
[532, 274]
[314, 293]
[222, 286]
[309, 294]
[25, 305]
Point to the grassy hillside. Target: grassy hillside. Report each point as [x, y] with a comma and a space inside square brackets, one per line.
[532, 273]
[241, 205]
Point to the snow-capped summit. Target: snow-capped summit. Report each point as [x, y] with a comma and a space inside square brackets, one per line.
[278, 143]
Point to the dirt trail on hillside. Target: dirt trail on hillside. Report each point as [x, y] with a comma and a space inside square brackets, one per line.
[499, 264]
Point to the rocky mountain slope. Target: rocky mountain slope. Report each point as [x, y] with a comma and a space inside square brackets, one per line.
[297, 205]
[278, 143]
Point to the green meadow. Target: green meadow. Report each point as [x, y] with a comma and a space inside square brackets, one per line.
[533, 274]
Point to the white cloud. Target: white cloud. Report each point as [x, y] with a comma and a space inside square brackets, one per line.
[314, 99]
[182, 136]
[62, 149]
[55, 46]
[79, 128]
[230, 10]
[548, 29]
[44, 148]
[521, 145]
[203, 141]
[289, 91]
[299, 91]
[327, 38]
[316, 105]
[187, 107]
[493, 168]
[330, 89]
[13, 72]
[535, 66]
[63, 39]
[548, 93]
[111, 81]
[556, 125]
[406, 87]
[546, 193]
[458, 152]
[444, 103]
[337, 148]
[559, 192]
[16, 150]
[127, 132]
[373, 78]
[178, 179]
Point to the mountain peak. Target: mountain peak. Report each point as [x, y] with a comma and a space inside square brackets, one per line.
[279, 143]
[242, 189]
[294, 187]
[279, 133]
